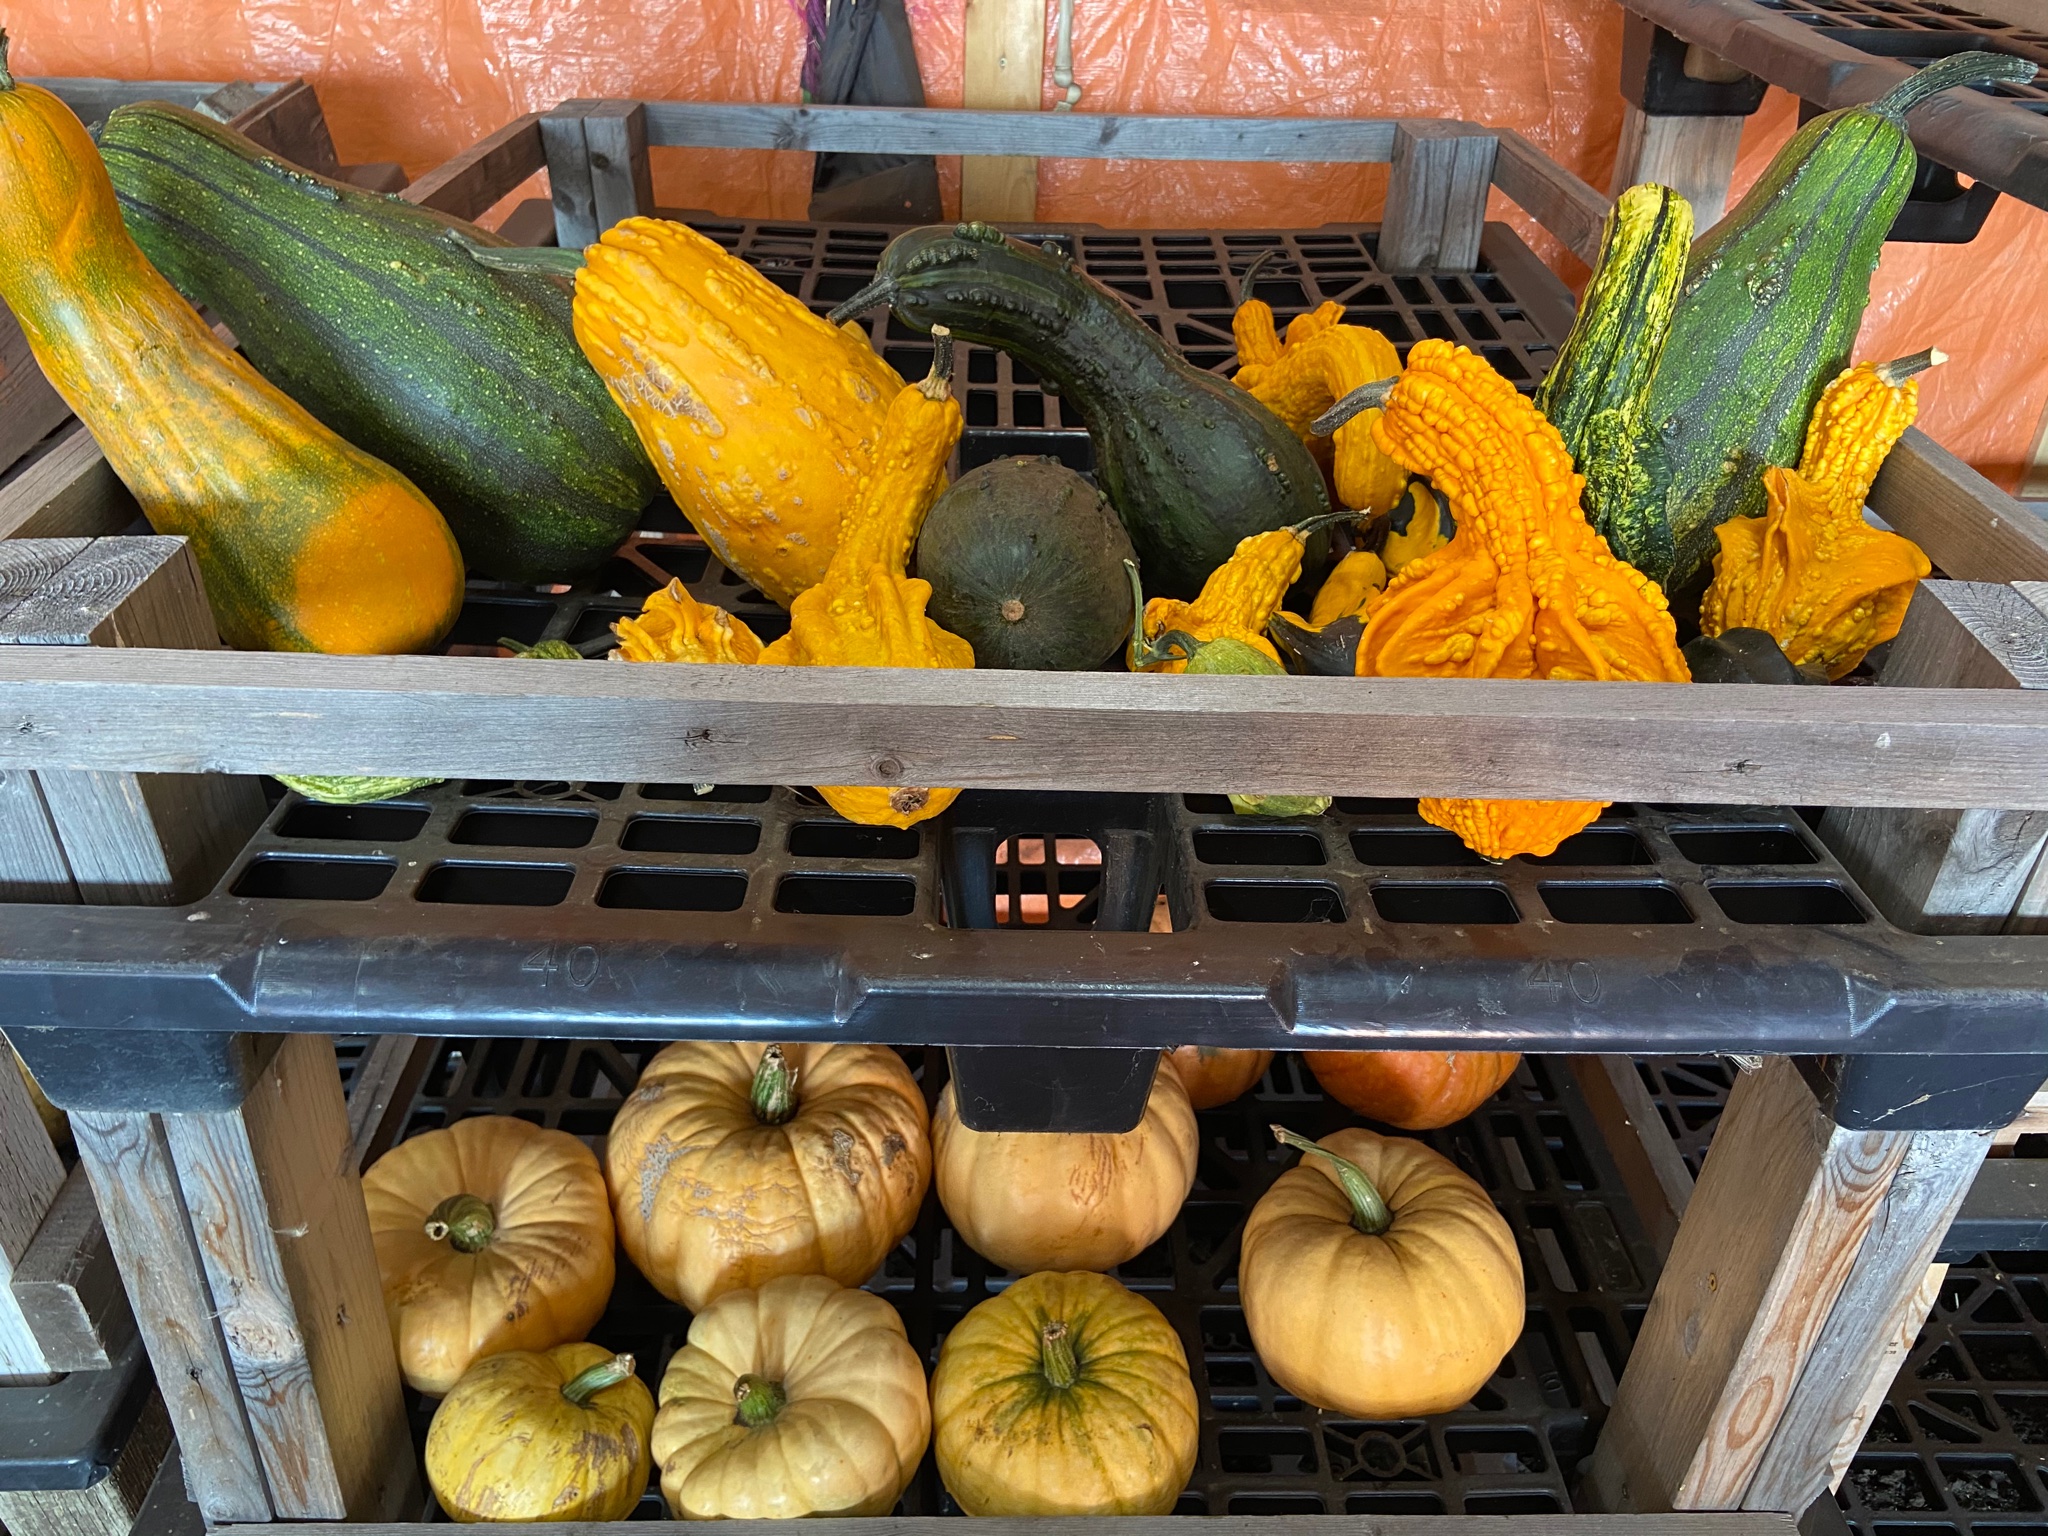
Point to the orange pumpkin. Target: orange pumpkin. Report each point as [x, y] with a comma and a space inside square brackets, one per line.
[1214, 1075]
[1416, 1090]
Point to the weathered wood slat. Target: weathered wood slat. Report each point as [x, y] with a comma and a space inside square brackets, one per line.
[1068, 135]
[1003, 71]
[66, 1284]
[381, 1092]
[31, 1174]
[168, 711]
[289, 123]
[1659, 1184]
[621, 180]
[67, 490]
[30, 409]
[1436, 197]
[1969, 528]
[480, 177]
[1551, 195]
[1694, 156]
[570, 183]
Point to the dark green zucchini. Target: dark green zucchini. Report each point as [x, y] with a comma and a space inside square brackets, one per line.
[1192, 463]
[1026, 561]
[1599, 389]
[371, 314]
[1772, 300]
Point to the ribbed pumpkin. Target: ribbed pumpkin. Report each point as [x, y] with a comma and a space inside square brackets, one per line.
[1048, 1200]
[1213, 1074]
[732, 1164]
[305, 543]
[1378, 1281]
[761, 418]
[557, 1435]
[493, 1234]
[1416, 1090]
[800, 1398]
[1064, 1394]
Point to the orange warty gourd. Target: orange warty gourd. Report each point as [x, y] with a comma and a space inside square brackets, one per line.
[1416, 1090]
[1378, 1281]
[761, 418]
[866, 611]
[1237, 601]
[305, 542]
[1525, 588]
[492, 1235]
[732, 1164]
[1215, 1075]
[674, 626]
[1811, 572]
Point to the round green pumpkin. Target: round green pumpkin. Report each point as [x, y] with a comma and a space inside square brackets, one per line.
[1026, 561]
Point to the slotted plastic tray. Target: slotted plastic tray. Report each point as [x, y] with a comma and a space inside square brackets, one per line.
[1920, 31]
[1588, 1265]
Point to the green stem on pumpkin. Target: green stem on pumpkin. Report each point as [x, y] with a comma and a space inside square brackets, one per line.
[757, 1400]
[585, 1385]
[774, 1095]
[6, 75]
[1056, 1354]
[464, 1222]
[1369, 1212]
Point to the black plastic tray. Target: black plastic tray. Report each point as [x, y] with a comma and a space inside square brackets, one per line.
[1588, 1264]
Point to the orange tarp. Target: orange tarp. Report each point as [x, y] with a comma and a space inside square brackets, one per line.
[419, 80]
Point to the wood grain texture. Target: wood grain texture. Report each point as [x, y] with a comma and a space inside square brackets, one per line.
[2034, 485]
[66, 1283]
[290, 124]
[1436, 197]
[67, 489]
[241, 712]
[1951, 871]
[1694, 156]
[1551, 195]
[1003, 71]
[1658, 1182]
[117, 591]
[1913, 1312]
[480, 177]
[1045, 135]
[147, 1226]
[1770, 1237]
[621, 180]
[380, 1094]
[32, 863]
[110, 1506]
[1833, 1401]
[29, 566]
[1733, 1524]
[1969, 528]
[31, 1174]
[30, 410]
[569, 181]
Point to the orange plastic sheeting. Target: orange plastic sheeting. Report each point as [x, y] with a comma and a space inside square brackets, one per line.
[419, 80]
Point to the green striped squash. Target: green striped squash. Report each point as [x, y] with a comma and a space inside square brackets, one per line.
[370, 313]
[1599, 391]
[1773, 297]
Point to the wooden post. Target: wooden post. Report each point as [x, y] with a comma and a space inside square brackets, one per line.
[1004, 72]
[621, 178]
[31, 1174]
[30, 410]
[1436, 197]
[569, 174]
[1694, 156]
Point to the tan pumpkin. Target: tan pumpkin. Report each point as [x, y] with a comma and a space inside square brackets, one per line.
[1045, 1200]
[559, 1434]
[732, 1164]
[491, 1235]
[800, 1398]
[1377, 1279]
[1215, 1075]
[1416, 1090]
[1064, 1394]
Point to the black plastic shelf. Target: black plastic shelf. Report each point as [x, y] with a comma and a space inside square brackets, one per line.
[1515, 1449]
[1920, 31]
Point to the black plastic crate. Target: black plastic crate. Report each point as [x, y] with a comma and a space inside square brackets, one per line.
[1514, 1449]
[1920, 31]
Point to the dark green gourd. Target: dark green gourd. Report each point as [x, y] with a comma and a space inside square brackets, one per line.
[1192, 463]
[372, 314]
[1773, 297]
[1026, 562]
[1598, 393]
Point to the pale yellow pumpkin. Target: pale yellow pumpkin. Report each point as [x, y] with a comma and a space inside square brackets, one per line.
[732, 1164]
[1064, 1394]
[493, 1234]
[555, 1435]
[1377, 1279]
[800, 1398]
[1046, 1200]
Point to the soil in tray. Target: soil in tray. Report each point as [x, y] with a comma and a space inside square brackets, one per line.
[1514, 1449]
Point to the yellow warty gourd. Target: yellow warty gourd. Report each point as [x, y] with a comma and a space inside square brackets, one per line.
[674, 626]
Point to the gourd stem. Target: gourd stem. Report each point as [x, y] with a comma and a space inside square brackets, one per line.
[546, 650]
[938, 384]
[464, 1222]
[1900, 369]
[6, 74]
[585, 1385]
[1173, 645]
[757, 1400]
[1056, 1354]
[546, 259]
[1369, 1212]
[1250, 275]
[1367, 397]
[881, 291]
[774, 1095]
[1317, 524]
[1975, 68]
